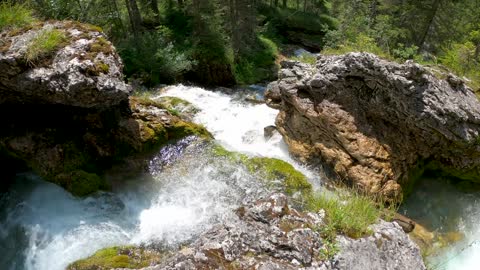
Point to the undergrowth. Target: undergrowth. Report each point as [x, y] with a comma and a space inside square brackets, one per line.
[14, 15]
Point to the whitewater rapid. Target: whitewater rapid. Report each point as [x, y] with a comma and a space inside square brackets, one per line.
[45, 228]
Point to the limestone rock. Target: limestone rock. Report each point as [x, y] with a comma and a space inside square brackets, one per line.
[84, 72]
[66, 113]
[377, 123]
[269, 234]
[386, 249]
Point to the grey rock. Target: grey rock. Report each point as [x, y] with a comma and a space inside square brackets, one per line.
[374, 121]
[269, 131]
[388, 248]
[269, 234]
[85, 72]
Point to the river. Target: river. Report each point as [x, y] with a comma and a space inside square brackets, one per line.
[42, 227]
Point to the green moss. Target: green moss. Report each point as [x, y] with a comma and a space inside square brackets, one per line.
[14, 15]
[276, 169]
[177, 106]
[44, 45]
[101, 45]
[80, 183]
[119, 257]
[269, 169]
[98, 68]
[180, 129]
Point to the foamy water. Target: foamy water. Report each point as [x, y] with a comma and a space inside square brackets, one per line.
[45, 228]
[236, 124]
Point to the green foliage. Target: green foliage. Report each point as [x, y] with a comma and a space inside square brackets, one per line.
[257, 64]
[14, 15]
[463, 59]
[291, 19]
[153, 59]
[44, 44]
[361, 43]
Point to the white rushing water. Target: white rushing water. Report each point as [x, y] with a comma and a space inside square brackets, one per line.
[236, 124]
[42, 227]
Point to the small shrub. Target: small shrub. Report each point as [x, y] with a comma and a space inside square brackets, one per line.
[44, 44]
[152, 58]
[362, 43]
[14, 15]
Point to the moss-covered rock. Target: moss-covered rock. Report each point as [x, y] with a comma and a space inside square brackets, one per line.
[276, 172]
[119, 257]
[276, 169]
[80, 183]
[179, 107]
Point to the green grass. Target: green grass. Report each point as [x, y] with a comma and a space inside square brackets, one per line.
[14, 15]
[348, 213]
[44, 44]
[305, 58]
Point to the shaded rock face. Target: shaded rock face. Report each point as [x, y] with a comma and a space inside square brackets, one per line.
[68, 115]
[269, 234]
[378, 123]
[84, 72]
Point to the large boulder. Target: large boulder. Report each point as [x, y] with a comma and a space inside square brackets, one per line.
[66, 113]
[379, 124]
[65, 63]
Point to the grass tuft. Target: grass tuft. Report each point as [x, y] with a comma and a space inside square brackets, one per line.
[44, 44]
[349, 213]
[305, 58]
[14, 15]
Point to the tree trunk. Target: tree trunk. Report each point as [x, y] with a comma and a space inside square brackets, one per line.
[284, 3]
[431, 19]
[135, 16]
[154, 8]
[181, 3]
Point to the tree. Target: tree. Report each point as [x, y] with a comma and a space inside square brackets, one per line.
[135, 16]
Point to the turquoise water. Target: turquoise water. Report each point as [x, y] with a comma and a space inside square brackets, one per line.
[441, 207]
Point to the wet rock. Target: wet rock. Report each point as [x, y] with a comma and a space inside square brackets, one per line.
[269, 131]
[378, 124]
[268, 234]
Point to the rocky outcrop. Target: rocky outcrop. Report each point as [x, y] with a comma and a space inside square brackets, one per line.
[269, 234]
[378, 124]
[67, 114]
[84, 71]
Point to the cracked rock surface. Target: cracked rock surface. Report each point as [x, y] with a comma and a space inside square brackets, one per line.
[377, 123]
[269, 234]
